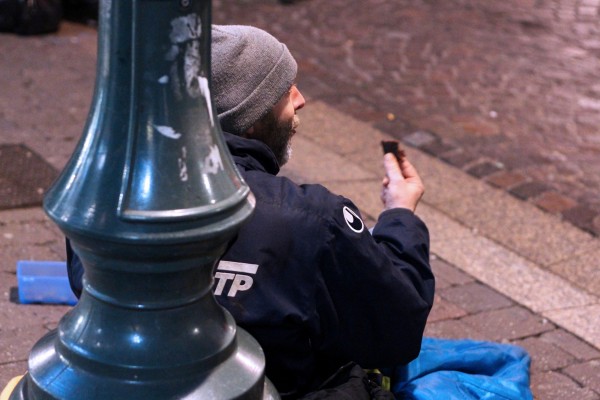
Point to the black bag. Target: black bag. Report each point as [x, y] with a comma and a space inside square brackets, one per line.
[38, 16]
[9, 9]
[30, 17]
[83, 11]
[350, 382]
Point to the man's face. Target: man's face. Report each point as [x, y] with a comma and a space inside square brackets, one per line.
[278, 126]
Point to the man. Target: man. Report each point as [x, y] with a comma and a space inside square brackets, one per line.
[304, 276]
[324, 291]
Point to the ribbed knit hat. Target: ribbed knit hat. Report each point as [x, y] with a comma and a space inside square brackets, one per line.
[251, 71]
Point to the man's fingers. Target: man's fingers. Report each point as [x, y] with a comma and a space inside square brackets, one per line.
[408, 170]
[392, 169]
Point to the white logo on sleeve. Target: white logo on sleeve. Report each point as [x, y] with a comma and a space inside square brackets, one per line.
[239, 274]
[353, 220]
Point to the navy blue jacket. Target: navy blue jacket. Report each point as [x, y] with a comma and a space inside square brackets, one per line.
[324, 291]
[306, 278]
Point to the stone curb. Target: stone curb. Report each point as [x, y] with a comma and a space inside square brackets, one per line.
[532, 257]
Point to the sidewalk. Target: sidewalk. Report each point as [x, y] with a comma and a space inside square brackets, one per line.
[504, 268]
[506, 271]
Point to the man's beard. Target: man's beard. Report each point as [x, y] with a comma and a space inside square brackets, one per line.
[278, 136]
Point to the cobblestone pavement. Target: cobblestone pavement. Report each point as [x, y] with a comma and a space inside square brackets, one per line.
[508, 90]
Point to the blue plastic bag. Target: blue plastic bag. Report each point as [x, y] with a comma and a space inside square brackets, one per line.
[464, 369]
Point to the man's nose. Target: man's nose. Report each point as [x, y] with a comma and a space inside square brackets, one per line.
[297, 98]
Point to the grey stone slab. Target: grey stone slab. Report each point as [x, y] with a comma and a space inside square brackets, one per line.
[356, 141]
[582, 321]
[445, 184]
[502, 269]
[443, 230]
[508, 323]
[316, 164]
[556, 386]
[538, 236]
[475, 297]
[338, 132]
[581, 270]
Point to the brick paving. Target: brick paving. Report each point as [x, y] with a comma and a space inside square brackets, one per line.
[563, 366]
[506, 90]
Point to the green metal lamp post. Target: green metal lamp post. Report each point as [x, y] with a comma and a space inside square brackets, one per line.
[149, 200]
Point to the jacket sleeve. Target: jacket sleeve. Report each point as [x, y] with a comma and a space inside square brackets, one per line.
[378, 288]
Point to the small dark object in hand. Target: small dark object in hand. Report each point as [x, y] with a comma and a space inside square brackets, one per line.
[392, 146]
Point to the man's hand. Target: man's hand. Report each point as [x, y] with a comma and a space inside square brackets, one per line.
[402, 186]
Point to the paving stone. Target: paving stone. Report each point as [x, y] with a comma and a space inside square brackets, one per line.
[556, 386]
[437, 148]
[583, 321]
[506, 179]
[452, 329]
[554, 202]
[419, 138]
[581, 270]
[545, 356]
[17, 342]
[587, 374]
[26, 233]
[11, 370]
[484, 169]
[459, 158]
[476, 126]
[475, 297]
[508, 323]
[571, 344]
[582, 216]
[499, 216]
[443, 309]
[528, 190]
[447, 275]
[18, 316]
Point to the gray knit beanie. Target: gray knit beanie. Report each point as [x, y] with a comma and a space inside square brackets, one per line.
[251, 71]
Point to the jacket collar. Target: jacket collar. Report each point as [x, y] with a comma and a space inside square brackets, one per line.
[251, 154]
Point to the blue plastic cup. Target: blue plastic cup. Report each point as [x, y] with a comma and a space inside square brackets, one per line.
[44, 282]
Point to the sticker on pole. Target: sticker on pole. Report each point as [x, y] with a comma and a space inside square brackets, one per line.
[353, 220]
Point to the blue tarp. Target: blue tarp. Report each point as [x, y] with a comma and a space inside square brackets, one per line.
[449, 369]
